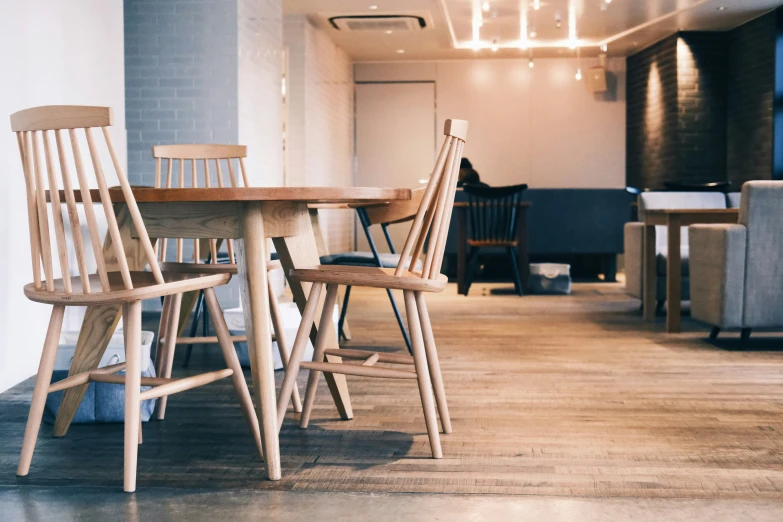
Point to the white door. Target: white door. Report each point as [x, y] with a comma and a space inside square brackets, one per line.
[395, 143]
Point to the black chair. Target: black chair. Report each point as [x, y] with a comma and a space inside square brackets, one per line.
[493, 218]
[395, 212]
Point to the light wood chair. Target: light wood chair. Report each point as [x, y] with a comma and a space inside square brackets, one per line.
[69, 124]
[432, 217]
[171, 320]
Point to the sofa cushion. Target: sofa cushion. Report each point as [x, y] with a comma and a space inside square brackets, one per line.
[364, 259]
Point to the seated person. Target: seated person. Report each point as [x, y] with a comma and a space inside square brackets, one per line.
[468, 175]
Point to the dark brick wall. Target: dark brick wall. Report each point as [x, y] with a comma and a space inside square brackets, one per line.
[751, 86]
[651, 114]
[700, 107]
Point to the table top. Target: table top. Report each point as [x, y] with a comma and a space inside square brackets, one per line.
[343, 195]
[690, 211]
[690, 216]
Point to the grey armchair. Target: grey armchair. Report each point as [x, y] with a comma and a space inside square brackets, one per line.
[634, 240]
[737, 270]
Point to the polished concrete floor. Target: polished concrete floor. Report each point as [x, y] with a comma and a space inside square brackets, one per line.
[162, 504]
[564, 408]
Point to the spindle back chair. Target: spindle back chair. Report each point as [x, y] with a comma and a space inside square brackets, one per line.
[70, 125]
[431, 220]
[493, 222]
[196, 160]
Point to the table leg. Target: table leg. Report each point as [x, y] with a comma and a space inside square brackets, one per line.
[252, 258]
[650, 274]
[462, 238]
[99, 323]
[673, 277]
[301, 251]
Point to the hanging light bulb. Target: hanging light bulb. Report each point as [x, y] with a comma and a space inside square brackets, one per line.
[533, 32]
[485, 6]
[530, 63]
[494, 45]
[536, 4]
[558, 21]
[604, 48]
[578, 75]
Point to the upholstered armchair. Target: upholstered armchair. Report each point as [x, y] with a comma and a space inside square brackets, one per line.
[737, 270]
[634, 240]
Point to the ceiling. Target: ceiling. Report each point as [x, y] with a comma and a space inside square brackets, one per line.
[624, 26]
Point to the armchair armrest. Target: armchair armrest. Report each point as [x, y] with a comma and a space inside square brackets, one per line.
[633, 239]
[717, 273]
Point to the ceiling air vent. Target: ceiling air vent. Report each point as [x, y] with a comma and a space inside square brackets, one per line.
[378, 23]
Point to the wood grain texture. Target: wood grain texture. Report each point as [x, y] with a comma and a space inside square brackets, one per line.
[356, 195]
[571, 396]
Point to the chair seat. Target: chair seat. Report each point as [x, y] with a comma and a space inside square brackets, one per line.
[373, 277]
[661, 259]
[144, 287]
[210, 268]
[365, 259]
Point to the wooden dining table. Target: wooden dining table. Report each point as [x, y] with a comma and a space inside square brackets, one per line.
[249, 216]
[673, 219]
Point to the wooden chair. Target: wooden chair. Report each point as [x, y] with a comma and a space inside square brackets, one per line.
[170, 320]
[385, 215]
[432, 217]
[493, 218]
[33, 128]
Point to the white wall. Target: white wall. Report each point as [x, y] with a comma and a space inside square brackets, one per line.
[260, 76]
[319, 133]
[538, 126]
[54, 52]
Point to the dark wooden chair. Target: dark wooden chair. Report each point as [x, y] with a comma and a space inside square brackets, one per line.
[493, 218]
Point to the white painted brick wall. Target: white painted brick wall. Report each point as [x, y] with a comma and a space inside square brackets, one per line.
[320, 120]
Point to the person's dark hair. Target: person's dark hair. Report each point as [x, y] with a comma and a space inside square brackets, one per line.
[465, 164]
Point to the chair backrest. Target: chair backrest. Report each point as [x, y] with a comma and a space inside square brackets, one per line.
[200, 157]
[761, 211]
[493, 213]
[33, 128]
[396, 211]
[434, 212]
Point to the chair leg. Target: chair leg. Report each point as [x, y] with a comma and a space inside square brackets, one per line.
[512, 254]
[42, 382]
[714, 333]
[194, 327]
[131, 318]
[232, 362]
[400, 321]
[160, 349]
[433, 363]
[169, 348]
[318, 353]
[300, 343]
[472, 265]
[745, 334]
[343, 312]
[282, 346]
[422, 374]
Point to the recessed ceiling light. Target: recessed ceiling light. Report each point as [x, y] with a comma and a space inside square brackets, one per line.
[721, 8]
[372, 7]
[400, 51]
[388, 31]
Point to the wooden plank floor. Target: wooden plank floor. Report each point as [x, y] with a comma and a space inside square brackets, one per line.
[572, 396]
